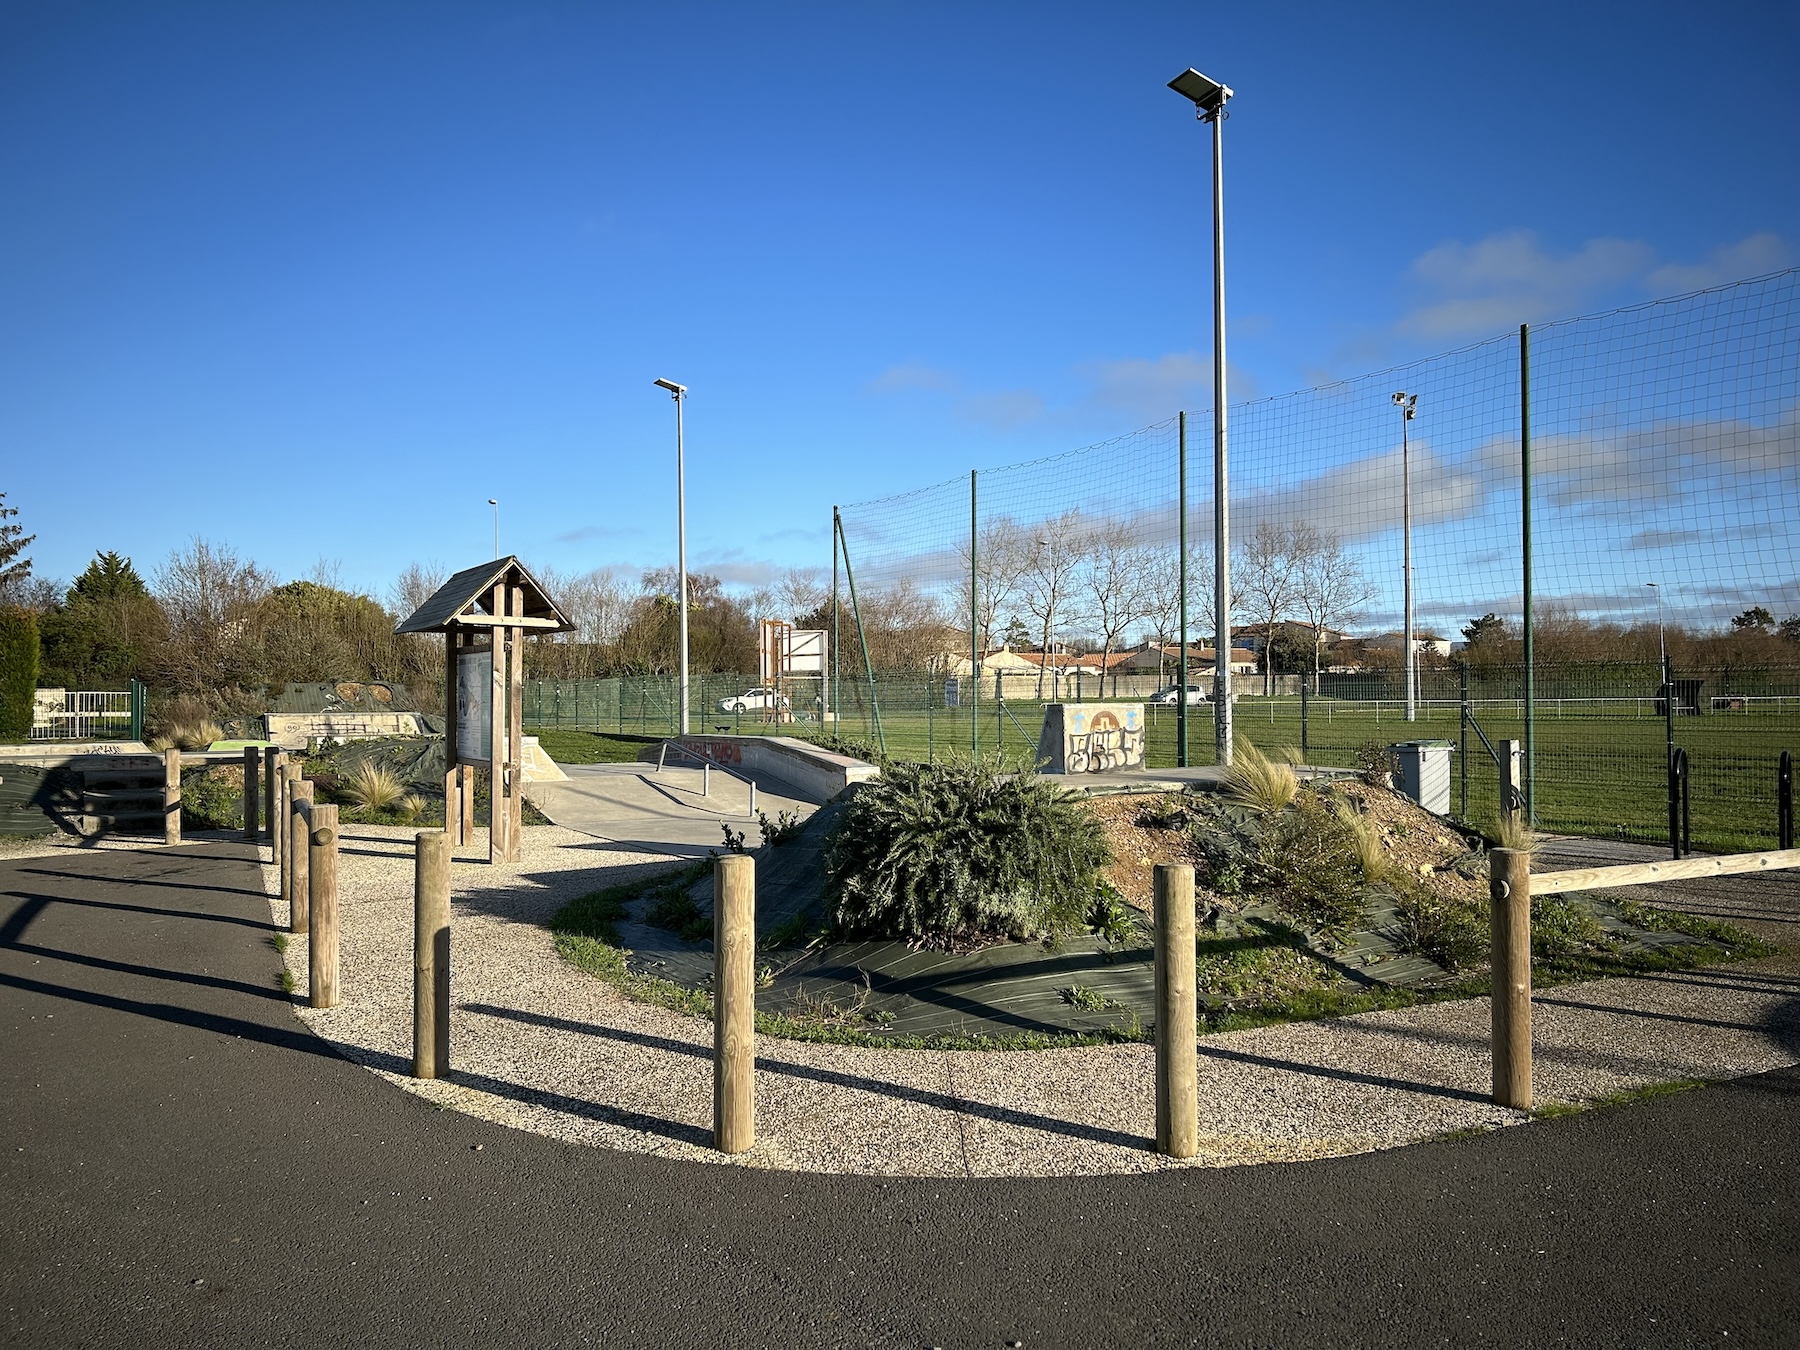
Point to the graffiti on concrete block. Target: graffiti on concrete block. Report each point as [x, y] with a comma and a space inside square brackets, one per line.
[1091, 737]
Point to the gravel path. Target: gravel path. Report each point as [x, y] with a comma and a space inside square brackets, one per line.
[539, 1045]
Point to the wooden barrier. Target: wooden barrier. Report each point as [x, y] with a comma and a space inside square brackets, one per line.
[734, 1003]
[1669, 869]
[322, 908]
[252, 794]
[1177, 1014]
[300, 795]
[1509, 893]
[431, 955]
[171, 796]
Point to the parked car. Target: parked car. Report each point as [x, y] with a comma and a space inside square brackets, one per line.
[1170, 696]
[753, 700]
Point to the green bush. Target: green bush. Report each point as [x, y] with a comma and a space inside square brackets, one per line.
[212, 798]
[955, 853]
[18, 672]
[1452, 932]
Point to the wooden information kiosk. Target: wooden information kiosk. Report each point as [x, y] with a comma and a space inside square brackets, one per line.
[484, 614]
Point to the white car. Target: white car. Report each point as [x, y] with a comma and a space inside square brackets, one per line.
[1169, 697]
[753, 700]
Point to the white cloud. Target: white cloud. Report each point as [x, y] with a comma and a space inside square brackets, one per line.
[1759, 253]
[908, 376]
[1496, 283]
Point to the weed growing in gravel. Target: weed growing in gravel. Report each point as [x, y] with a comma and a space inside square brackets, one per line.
[1649, 1091]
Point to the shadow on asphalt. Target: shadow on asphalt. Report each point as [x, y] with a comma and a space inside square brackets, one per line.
[253, 892]
[900, 1092]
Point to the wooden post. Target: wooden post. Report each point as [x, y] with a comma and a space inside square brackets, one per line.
[515, 730]
[734, 1003]
[466, 789]
[452, 778]
[498, 817]
[252, 793]
[1512, 788]
[1177, 1014]
[171, 796]
[1509, 889]
[300, 795]
[275, 764]
[431, 955]
[283, 829]
[322, 908]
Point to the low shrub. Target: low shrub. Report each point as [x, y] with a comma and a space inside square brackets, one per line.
[1311, 863]
[955, 853]
[1453, 933]
[372, 786]
[212, 798]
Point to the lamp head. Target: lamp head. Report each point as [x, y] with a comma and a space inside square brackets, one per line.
[1208, 95]
[493, 501]
[676, 390]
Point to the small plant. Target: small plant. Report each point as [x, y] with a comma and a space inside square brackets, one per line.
[1110, 917]
[1258, 782]
[212, 798]
[734, 839]
[193, 735]
[372, 786]
[1364, 839]
[1085, 998]
[1562, 927]
[1509, 829]
[1377, 764]
[1453, 933]
[676, 911]
[778, 831]
[793, 930]
[765, 976]
[1308, 854]
[412, 805]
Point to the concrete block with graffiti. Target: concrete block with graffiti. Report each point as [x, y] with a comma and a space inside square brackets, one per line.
[1091, 737]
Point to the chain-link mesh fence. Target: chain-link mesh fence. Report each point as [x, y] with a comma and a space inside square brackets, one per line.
[1661, 461]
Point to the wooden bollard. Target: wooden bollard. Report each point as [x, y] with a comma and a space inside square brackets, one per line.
[1177, 1014]
[431, 955]
[171, 796]
[734, 1003]
[300, 795]
[322, 908]
[274, 767]
[252, 794]
[1509, 890]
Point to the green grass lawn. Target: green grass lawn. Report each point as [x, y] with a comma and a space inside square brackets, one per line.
[1596, 774]
[585, 747]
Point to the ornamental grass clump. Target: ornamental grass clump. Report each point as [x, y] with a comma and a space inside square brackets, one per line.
[1258, 782]
[372, 786]
[955, 854]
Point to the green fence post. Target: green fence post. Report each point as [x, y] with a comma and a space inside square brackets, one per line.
[1181, 660]
[974, 633]
[862, 637]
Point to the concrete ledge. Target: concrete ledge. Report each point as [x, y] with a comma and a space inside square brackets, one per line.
[819, 774]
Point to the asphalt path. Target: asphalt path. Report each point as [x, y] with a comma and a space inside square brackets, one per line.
[185, 1165]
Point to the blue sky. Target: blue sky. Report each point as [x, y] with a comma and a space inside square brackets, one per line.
[317, 281]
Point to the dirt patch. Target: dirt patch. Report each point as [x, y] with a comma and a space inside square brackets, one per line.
[1413, 839]
[1137, 847]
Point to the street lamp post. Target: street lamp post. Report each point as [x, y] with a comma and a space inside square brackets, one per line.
[495, 503]
[1407, 403]
[678, 392]
[1209, 98]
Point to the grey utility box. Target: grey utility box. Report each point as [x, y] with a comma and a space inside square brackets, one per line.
[1425, 773]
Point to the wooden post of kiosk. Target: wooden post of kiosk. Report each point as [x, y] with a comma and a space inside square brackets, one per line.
[515, 728]
[499, 818]
[452, 769]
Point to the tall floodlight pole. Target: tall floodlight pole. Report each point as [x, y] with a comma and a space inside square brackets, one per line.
[1209, 98]
[495, 503]
[678, 392]
[1407, 403]
[1662, 643]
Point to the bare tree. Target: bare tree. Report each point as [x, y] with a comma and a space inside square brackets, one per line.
[1117, 580]
[1267, 584]
[1002, 555]
[414, 586]
[801, 591]
[1163, 595]
[209, 595]
[1057, 552]
[1332, 588]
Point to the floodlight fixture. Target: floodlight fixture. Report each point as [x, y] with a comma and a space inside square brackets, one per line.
[1408, 402]
[1208, 95]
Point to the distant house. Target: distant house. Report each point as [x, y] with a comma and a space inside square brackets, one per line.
[1423, 643]
[1162, 658]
